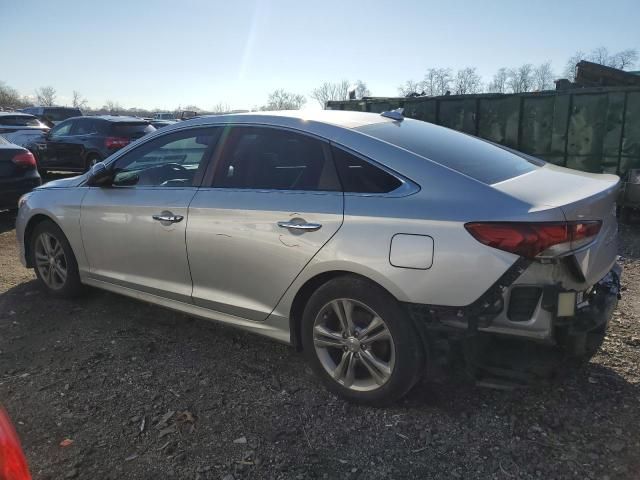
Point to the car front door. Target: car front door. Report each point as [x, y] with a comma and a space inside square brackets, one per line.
[274, 201]
[50, 151]
[133, 230]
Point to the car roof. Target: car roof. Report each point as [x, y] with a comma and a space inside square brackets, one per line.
[112, 118]
[16, 114]
[338, 118]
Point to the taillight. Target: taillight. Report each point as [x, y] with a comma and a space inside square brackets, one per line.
[25, 160]
[116, 142]
[13, 465]
[542, 239]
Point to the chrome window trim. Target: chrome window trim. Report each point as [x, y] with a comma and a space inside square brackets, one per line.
[407, 186]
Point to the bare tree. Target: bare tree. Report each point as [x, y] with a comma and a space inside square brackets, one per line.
[331, 91]
[362, 90]
[520, 79]
[467, 81]
[569, 71]
[112, 107]
[282, 100]
[499, 82]
[437, 81]
[10, 98]
[409, 87]
[78, 101]
[221, 107]
[46, 96]
[625, 59]
[543, 77]
[600, 55]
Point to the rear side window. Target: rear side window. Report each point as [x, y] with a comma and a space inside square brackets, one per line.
[360, 176]
[131, 130]
[471, 156]
[19, 121]
[271, 159]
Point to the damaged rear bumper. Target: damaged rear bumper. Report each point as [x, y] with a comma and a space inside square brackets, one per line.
[553, 314]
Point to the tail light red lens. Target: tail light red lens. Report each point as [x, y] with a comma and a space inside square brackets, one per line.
[25, 160]
[542, 239]
[116, 142]
[13, 465]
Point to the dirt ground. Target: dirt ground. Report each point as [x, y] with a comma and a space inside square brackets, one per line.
[138, 392]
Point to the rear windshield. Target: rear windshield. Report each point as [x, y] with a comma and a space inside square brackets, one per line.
[60, 114]
[471, 156]
[131, 130]
[20, 121]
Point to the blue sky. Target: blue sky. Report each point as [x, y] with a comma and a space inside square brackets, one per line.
[163, 53]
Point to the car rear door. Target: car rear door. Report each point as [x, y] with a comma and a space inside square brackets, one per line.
[133, 230]
[273, 202]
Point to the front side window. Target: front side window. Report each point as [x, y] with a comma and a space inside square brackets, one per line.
[271, 159]
[62, 129]
[172, 160]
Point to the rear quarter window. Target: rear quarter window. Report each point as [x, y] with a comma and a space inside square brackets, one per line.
[463, 153]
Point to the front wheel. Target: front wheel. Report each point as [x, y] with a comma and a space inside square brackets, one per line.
[360, 342]
[55, 263]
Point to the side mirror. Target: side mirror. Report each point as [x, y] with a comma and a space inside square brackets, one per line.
[99, 175]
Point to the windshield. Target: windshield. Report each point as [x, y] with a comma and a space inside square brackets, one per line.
[471, 156]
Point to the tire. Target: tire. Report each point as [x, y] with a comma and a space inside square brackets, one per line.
[625, 215]
[392, 343]
[49, 272]
[92, 159]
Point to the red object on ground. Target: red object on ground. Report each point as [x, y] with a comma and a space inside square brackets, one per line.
[13, 465]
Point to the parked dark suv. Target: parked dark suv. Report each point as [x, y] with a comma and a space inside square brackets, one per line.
[53, 115]
[77, 143]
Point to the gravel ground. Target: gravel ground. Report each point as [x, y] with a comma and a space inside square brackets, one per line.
[107, 387]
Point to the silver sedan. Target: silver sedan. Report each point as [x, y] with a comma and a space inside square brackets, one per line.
[365, 240]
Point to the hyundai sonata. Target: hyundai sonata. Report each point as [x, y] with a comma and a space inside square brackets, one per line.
[365, 240]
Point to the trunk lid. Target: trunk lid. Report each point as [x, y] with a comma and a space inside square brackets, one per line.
[581, 196]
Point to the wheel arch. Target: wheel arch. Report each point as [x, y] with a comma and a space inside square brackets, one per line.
[307, 289]
[32, 224]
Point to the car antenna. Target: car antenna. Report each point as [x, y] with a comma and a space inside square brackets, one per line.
[397, 114]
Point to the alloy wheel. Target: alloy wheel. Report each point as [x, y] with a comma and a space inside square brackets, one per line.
[354, 344]
[51, 261]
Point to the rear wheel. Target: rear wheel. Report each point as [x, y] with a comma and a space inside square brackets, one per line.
[55, 263]
[359, 341]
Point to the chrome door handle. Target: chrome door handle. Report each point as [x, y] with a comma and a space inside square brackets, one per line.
[168, 218]
[305, 227]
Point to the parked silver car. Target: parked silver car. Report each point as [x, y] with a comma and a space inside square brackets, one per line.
[359, 238]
